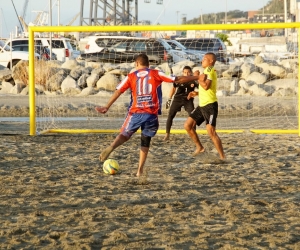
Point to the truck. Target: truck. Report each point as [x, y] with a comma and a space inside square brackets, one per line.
[61, 46]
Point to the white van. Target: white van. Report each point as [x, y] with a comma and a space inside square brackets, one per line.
[60, 46]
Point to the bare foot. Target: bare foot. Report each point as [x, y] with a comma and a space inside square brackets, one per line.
[167, 137]
[198, 151]
[105, 153]
[139, 173]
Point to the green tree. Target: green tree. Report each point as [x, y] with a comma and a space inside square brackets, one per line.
[224, 38]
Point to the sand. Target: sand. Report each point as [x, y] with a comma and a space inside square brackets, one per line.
[54, 194]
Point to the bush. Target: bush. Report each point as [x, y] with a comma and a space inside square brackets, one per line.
[41, 71]
[224, 38]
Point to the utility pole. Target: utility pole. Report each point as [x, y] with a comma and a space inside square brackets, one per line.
[285, 17]
[58, 13]
[177, 15]
[226, 13]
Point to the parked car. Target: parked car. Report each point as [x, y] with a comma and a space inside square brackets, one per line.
[194, 55]
[9, 57]
[43, 51]
[98, 43]
[205, 45]
[60, 46]
[123, 49]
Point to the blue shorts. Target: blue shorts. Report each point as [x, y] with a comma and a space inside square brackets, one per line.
[147, 122]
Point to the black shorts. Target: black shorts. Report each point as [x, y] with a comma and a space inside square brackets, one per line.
[178, 103]
[208, 113]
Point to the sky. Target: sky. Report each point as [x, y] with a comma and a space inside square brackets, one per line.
[170, 12]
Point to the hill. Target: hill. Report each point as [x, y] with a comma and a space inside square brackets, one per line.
[273, 6]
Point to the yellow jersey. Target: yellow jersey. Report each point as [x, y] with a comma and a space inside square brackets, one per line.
[208, 96]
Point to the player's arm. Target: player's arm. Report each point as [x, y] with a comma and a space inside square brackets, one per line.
[205, 84]
[172, 92]
[184, 79]
[192, 94]
[113, 98]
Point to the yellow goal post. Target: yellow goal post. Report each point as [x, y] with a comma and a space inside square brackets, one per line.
[34, 29]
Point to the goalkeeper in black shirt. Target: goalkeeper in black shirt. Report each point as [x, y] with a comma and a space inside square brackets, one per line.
[178, 99]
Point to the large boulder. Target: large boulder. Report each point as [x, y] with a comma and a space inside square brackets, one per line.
[259, 90]
[108, 82]
[257, 78]
[92, 80]
[70, 64]
[5, 74]
[69, 86]
[247, 69]
[54, 82]
[77, 72]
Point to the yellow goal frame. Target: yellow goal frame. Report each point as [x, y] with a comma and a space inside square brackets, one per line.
[33, 29]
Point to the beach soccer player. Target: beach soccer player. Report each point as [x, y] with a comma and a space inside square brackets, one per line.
[146, 98]
[207, 111]
[178, 99]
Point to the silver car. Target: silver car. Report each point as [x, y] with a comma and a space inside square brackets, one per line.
[193, 55]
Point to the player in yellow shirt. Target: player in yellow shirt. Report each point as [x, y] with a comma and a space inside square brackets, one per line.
[208, 107]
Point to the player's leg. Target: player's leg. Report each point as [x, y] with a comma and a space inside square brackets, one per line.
[129, 127]
[175, 107]
[119, 140]
[211, 114]
[189, 107]
[211, 130]
[145, 145]
[194, 119]
[149, 129]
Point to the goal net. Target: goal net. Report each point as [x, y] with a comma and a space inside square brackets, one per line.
[257, 68]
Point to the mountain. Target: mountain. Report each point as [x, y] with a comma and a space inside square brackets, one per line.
[273, 6]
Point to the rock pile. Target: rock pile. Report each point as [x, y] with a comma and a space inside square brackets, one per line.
[258, 77]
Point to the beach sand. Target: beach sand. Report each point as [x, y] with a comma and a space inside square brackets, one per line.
[54, 194]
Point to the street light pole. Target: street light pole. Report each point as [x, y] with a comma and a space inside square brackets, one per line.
[177, 15]
[58, 12]
[285, 16]
[226, 13]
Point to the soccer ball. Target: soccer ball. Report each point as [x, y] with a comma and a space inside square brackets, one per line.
[110, 166]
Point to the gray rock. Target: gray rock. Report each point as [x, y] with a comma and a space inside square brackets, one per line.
[82, 81]
[108, 82]
[87, 91]
[6, 87]
[54, 82]
[257, 78]
[92, 80]
[258, 90]
[68, 85]
[70, 64]
[247, 69]
[99, 71]
[76, 72]
[5, 74]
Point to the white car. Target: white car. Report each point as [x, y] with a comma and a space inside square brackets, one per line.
[60, 46]
[9, 58]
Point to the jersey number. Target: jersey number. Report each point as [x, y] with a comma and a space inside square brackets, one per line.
[143, 87]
